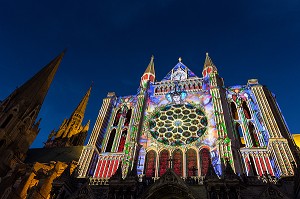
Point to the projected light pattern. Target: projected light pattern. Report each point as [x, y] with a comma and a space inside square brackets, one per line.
[178, 125]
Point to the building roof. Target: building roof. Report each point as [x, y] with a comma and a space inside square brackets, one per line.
[45, 155]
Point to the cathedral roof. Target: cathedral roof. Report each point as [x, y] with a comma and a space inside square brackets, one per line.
[62, 154]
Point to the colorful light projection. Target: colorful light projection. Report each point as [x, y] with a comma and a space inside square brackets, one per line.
[181, 119]
[198, 104]
[129, 101]
[244, 99]
[177, 124]
[179, 67]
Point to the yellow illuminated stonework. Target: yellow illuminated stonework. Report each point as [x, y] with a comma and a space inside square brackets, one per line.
[295, 136]
[297, 139]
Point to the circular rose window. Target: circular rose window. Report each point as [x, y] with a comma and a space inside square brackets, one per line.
[177, 125]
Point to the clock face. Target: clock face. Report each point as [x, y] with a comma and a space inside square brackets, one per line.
[179, 75]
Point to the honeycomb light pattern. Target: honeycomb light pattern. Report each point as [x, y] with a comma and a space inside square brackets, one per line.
[177, 125]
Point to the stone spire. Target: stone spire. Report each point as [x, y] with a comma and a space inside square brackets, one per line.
[18, 114]
[80, 109]
[71, 132]
[209, 66]
[35, 89]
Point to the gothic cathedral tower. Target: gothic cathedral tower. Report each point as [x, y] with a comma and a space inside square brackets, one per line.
[18, 114]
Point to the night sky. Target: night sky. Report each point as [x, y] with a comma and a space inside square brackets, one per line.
[111, 42]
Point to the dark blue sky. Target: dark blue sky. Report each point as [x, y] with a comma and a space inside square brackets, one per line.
[110, 43]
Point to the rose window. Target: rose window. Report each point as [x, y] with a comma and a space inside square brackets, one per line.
[177, 125]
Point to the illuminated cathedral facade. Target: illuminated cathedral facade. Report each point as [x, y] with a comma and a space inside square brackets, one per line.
[185, 136]
[189, 124]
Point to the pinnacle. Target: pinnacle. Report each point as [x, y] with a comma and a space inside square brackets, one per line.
[150, 68]
[83, 103]
[209, 63]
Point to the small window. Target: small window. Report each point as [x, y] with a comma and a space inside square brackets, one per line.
[234, 111]
[110, 140]
[6, 121]
[246, 110]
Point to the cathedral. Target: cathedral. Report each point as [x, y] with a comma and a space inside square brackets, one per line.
[185, 136]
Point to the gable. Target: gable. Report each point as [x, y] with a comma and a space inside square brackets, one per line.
[179, 68]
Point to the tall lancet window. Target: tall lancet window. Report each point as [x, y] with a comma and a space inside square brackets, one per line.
[150, 164]
[122, 140]
[128, 116]
[191, 162]
[177, 162]
[205, 161]
[110, 140]
[117, 118]
[163, 162]
[254, 138]
[234, 111]
[239, 134]
[252, 165]
[246, 110]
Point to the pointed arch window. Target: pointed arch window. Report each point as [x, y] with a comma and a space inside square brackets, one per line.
[196, 86]
[166, 89]
[122, 140]
[191, 162]
[110, 140]
[246, 110]
[252, 166]
[177, 162]
[117, 118]
[205, 161]
[234, 111]
[253, 135]
[156, 90]
[185, 87]
[128, 116]
[199, 85]
[150, 164]
[239, 134]
[163, 162]
[6, 121]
